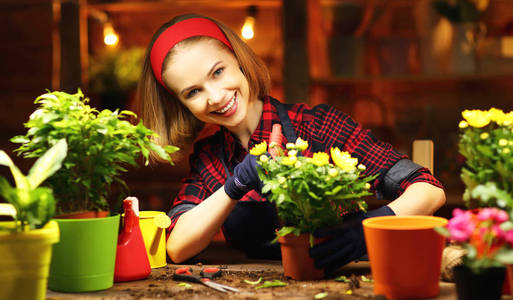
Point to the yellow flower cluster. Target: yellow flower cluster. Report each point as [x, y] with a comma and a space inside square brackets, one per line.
[342, 159]
[480, 118]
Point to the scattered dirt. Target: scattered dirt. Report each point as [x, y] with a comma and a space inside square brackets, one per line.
[161, 285]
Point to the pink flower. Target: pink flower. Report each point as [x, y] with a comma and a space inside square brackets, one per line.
[460, 226]
[493, 214]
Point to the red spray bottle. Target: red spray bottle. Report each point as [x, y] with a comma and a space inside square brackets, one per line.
[131, 258]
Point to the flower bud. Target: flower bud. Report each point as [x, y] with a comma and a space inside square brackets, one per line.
[264, 158]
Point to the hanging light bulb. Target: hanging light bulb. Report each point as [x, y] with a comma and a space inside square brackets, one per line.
[248, 29]
[110, 37]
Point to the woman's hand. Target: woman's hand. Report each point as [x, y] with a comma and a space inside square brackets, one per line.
[345, 242]
[244, 178]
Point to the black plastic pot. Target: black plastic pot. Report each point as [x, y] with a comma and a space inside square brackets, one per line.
[485, 285]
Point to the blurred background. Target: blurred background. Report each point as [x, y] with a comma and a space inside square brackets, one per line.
[403, 68]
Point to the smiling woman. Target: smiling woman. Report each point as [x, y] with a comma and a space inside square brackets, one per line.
[199, 71]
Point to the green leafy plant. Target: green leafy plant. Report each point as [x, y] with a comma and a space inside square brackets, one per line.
[101, 144]
[33, 205]
[461, 11]
[311, 192]
[486, 141]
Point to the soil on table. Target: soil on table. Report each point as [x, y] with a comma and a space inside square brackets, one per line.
[161, 285]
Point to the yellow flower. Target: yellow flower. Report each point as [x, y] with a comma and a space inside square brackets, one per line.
[476, 118]
[361, 167]
[508, 119]
[484, 135]
[281, 180]
[292, 153]
[259, 149]
[320, 159]
[367, 185]
[333, 172]
[290, 145]
[301, 144]
[503, 142]
[289, 160]
[497, 115]
[463, 124]
[506, 151]
[343, 160]
[264, 158]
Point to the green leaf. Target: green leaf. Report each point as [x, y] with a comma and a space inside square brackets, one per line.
[19, 178]
[321, 295]
[442, 231]
[342, 278]
[47, 164]
[253, 282]
[268, 284]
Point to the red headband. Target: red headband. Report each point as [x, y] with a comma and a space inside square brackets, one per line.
[179, 32]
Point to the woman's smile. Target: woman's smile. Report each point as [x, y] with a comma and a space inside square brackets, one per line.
[230, 108]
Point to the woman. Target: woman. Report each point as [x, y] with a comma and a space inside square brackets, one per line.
[198, 71]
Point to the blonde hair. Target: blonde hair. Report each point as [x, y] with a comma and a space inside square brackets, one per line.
[162, 111]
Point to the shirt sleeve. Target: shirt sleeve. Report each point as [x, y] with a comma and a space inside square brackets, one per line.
[205, 177]
[334, 128]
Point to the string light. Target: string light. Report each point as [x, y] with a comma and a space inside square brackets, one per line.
[248, 29]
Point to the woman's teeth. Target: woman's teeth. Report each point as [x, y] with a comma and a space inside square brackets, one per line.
[227, 107]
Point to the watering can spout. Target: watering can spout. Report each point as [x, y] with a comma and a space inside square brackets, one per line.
[131, 258]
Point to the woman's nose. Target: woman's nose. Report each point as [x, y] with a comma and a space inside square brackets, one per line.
[214, 94]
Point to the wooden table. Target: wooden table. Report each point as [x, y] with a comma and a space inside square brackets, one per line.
[238, 268]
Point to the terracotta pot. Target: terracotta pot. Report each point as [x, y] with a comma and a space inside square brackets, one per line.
[405, 255]
[84, 215]
[296, 261]
[485, 285]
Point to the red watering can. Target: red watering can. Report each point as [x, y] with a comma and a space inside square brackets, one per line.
[131, 258]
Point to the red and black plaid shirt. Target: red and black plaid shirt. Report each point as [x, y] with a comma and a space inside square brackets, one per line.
[321, 125]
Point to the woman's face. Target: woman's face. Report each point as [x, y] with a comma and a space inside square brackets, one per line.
[209, 82]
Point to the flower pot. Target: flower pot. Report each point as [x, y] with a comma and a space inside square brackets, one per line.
[405, 255]
[25, 260]
[84, 215]
[296, 260]
[485, 285]
[154, 238]
[84, 259]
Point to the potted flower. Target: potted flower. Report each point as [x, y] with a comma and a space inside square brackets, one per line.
[26, 242]
[309, 193]
[100, 146]
[486, 141]
[486, 236]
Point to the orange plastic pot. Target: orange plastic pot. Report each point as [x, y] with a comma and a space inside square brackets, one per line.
[405, 255]
[296, 261]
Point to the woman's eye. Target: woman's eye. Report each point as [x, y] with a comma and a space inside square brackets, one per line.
[218, 71]
[192, 92]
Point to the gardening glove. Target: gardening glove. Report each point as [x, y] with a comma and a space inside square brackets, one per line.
[345, 242]
[244, 178]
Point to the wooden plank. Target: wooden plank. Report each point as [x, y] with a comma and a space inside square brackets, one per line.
[423, 153]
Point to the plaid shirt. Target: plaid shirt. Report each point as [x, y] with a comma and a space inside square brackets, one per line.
[322, 127]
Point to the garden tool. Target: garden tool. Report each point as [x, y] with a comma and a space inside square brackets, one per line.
[185, 274]
[131, 258]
